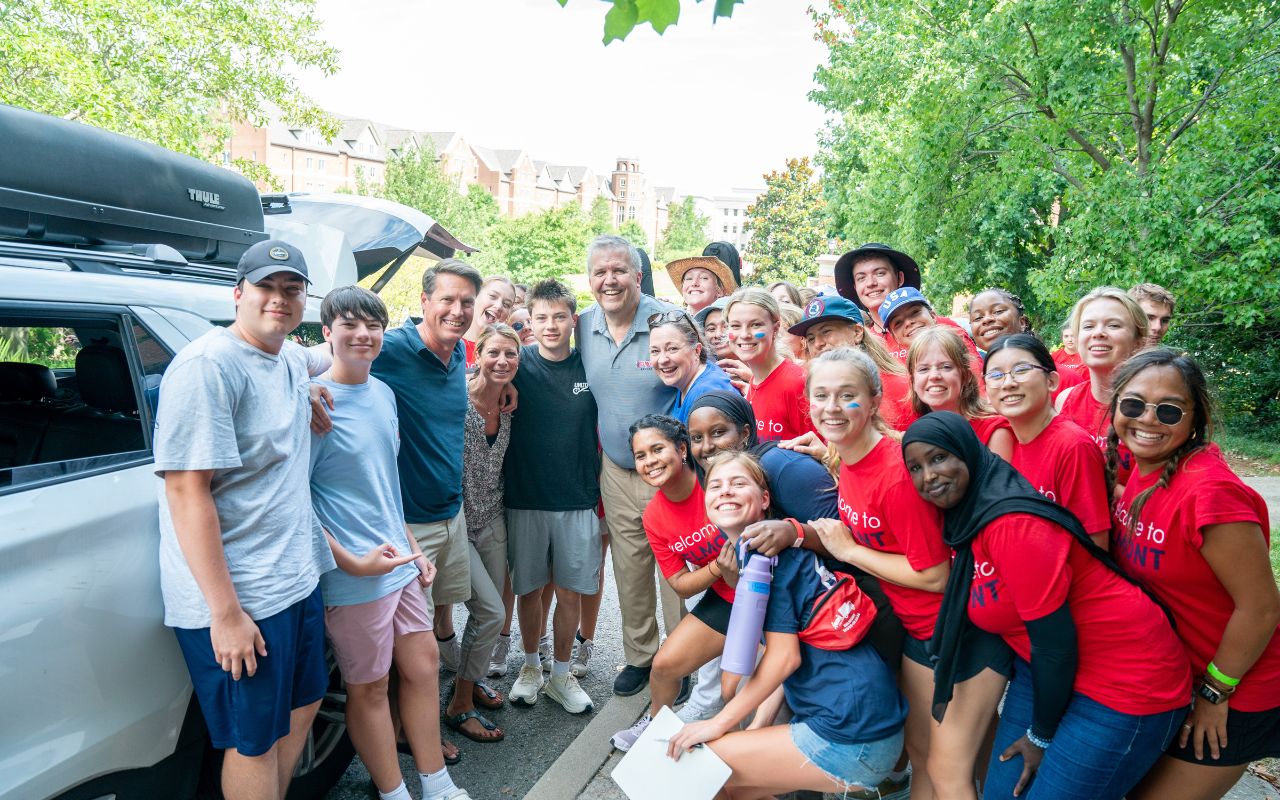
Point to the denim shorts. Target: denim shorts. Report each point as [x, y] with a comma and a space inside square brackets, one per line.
[1097, 752]
[849, 765]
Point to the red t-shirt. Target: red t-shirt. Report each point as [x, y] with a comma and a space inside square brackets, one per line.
[680, 534]
[984, 427]
[780, 405]
[471, 353]
[1163, 551]
[1025, 567]
[1065, 465]
[895, 400]
[1068, 378]
[881, 507]
[1068, 362]
[1081, 408]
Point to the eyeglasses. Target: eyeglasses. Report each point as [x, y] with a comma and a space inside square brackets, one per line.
[1019, 373]
[1166, 413]
[669, 317]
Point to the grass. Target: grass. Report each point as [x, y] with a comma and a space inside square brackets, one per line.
[1275, 553]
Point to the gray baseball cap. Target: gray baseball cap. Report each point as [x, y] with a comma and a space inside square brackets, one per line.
[268, 258]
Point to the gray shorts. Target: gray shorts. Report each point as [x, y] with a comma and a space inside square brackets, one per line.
[565, 544]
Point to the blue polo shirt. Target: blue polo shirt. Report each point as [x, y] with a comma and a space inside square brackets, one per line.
[712, 379]
[621, 376]
[431, 401]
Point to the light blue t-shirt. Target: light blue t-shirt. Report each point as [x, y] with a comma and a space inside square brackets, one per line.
[355, 487]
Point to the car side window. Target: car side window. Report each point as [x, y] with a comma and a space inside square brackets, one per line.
[69, 395]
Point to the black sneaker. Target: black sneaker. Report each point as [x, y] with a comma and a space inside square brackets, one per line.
[630, 680]
[686, 689]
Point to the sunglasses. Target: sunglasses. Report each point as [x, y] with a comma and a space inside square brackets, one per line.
[670, 317]
[517, 326]
[1166, 413]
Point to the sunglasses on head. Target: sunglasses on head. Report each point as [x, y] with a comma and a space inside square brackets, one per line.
[670, 317]
[1166, 413]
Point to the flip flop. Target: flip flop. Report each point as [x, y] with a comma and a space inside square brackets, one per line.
[450, 760]
[485, 697]
[455, 723]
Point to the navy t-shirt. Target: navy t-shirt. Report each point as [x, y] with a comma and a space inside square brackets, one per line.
[846, 696]
[431, 400]
[553, 459]
[800, 487]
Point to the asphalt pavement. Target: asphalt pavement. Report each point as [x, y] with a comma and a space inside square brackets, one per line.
[535, 737]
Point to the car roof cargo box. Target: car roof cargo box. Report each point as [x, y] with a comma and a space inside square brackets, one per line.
[68, 183]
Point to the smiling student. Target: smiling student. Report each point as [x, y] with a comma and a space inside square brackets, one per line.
[375, 615]
[702, 280]
[777, 383]
[241, 550]
[1193, 533]
[494, 303]
[846, 732]
[1053, 453]
[994, 313]
[886, 529]
[1109, 326]
[942, 379]
[693, 555]
[1100, 683]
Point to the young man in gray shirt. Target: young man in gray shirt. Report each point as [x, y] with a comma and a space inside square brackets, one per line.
[241, 552]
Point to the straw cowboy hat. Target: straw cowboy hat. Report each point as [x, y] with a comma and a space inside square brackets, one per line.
[676, 269]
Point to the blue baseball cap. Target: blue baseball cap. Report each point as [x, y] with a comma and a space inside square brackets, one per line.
[899, 298]
[821, 309]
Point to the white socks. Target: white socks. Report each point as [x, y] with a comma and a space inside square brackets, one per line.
[437, 784]
[398, 793]
[559, 668]
[533, 660]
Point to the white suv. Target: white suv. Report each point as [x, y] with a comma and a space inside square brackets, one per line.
[114, 254]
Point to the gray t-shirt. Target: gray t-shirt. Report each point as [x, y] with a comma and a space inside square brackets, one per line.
[621, 376]
[229, 407]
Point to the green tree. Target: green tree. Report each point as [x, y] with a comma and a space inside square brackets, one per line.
[533, 247]
[1054, 146]
[788, 225]
[632, 232]
[686, 232]
[627, 14]
[173, 73]
[600, 217]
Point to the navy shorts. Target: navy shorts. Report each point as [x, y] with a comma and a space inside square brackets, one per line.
[250, 715]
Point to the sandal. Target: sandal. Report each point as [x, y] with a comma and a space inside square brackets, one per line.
[455, 723]
[449, 760]
[486, 697]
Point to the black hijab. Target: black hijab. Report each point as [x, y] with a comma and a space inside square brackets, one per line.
[739, 412]
[995, 489]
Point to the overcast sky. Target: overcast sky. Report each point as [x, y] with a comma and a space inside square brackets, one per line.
[704, 108]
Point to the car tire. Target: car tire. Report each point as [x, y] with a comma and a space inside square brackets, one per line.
[325, 756]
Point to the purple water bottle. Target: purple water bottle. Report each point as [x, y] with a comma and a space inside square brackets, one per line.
[746, 620]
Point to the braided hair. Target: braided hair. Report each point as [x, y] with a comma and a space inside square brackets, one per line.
[1201, 417]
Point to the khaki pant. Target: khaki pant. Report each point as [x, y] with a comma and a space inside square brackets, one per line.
[625, 497]
[488, 558]
[445, 544]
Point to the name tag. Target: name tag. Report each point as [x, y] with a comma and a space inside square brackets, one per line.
[644, 365]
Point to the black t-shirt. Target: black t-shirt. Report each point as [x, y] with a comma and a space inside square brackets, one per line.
[553, 459]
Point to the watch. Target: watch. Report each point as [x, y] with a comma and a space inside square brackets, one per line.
[1210, 693]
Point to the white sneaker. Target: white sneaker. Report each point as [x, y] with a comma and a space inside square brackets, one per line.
[524, 692]
[581, 655]
[450, 653]
[545, 652]
[498, 660]
[564, 689]
[693, 712]
[623, 740]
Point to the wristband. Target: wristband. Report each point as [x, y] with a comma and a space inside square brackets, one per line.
[1213, 672]
[711, 567]
[799, 531]
[1043, 744]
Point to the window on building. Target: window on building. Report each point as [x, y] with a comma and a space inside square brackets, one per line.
[322, 163]
[735, 212]
[632, 213]
[308, 162]
[284, 158]
[726, 228]
[735, 228]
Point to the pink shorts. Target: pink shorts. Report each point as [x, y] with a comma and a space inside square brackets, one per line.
[364, 634]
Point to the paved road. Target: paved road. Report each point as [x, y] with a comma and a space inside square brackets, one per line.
[536, 737]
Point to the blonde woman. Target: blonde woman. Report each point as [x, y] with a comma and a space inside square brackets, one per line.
[776, 392]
